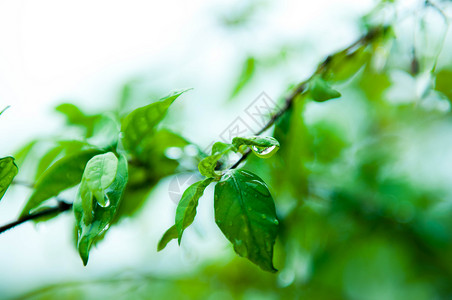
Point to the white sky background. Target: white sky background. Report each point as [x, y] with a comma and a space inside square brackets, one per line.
[84, 50]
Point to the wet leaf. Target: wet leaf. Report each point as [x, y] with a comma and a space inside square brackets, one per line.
[8, 170]
[139, 126]
[167, 237]
[63, 174]
[263, 147]
[320, 91]
[186, 209]
[245, 213]
[247, 73]
[92, 220]
[207, 166]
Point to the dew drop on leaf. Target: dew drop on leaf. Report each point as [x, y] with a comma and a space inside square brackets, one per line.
[105, 203]
[264, 152]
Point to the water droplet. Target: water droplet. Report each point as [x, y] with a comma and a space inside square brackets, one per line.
[104, 203]
[286, 278]
[264, 152]
[106, 227]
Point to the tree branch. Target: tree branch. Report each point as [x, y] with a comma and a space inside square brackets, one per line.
[62, 206]
[301, 88]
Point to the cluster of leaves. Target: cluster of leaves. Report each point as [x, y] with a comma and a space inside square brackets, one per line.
[114, 173]
[351, 221]
[244, 208]
[109, 177]
[120, 159]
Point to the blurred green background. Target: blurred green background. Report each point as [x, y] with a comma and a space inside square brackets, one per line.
[361, 183]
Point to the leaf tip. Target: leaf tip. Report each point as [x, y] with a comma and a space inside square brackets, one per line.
[169, 235]
[161, 245]
[84, 256]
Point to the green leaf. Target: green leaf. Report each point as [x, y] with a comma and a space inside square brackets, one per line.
[139, 126]
[186, 209]
[207, 166]
[63, 174]
[22, 153]
[8, 170]
[266, 141]
[443, 83]
[139, 186]
[47, 159]
[263, 147]
[374, 83]
[92, 223]
[220, 147]
[154, 165]
[320, 90]
[245, 213]
[125, 94]
[99, 174]
[344, 64]
[162, 140]
[247, 73]
[167, 237]
[75, 116]
[63, 147]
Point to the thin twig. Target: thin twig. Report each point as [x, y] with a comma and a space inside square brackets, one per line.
[301, 88]
[62, 206]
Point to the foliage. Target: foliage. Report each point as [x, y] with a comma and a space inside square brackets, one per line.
[327, 200]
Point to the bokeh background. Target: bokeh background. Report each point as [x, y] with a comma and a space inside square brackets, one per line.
[366, 201]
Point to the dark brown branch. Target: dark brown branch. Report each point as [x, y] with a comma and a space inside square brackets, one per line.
[62, 206]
